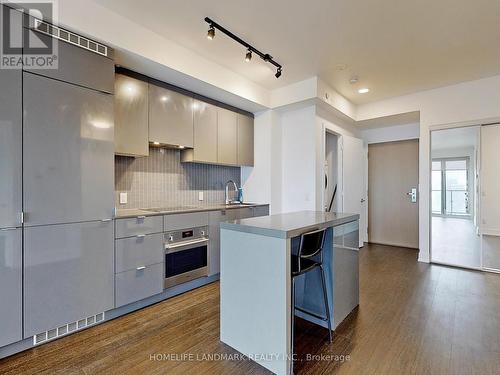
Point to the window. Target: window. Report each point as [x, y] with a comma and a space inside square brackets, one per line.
[450, 191]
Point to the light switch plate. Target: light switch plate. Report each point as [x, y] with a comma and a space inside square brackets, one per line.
[200, 196]
[123, 198]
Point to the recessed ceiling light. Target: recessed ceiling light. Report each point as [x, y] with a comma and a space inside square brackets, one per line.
[364, 90]
[353, 80]
[156, 143]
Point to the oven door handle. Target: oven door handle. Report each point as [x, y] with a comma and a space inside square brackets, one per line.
[172, 248]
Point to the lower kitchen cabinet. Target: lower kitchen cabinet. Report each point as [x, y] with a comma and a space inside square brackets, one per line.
[10, 286]
[214, 219]
[260, 211]
[139, 283]
[138, 251]
[68, 274]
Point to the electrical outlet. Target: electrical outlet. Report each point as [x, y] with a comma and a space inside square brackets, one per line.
[200, 196]
[123, 198]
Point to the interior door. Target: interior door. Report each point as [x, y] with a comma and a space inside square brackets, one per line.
[354, 187]
[392, 174]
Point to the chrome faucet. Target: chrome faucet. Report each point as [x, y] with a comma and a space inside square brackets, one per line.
[229, 201]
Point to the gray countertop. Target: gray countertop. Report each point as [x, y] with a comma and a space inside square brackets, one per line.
[128, 213]
[290, 224]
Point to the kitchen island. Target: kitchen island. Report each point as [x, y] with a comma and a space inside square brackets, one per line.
[256, 281]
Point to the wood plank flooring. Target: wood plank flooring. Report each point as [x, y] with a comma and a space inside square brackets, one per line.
[414, 318]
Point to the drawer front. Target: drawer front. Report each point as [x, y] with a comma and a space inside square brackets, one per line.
[183, 221]
[261, 211]
[134, 285]
[138, 225]
[142, 250]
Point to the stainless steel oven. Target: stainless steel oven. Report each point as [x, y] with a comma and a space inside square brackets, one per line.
[186, 255]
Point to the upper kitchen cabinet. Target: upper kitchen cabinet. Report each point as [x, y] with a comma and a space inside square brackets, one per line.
[170, 117]
[131, 116]
[205, 134]
[245, 140]
[80, 61]
[227, 137]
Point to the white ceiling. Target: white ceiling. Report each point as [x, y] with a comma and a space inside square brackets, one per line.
[455, 138]
[394, 46]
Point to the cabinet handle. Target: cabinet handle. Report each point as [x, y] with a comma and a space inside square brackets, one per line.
[141, 268]
[141, 236]
[141, 217]
[105, 220]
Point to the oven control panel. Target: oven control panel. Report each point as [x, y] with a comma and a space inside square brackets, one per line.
[186, 234]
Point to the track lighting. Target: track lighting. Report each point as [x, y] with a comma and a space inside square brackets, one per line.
[211, 33]
[248, 56]
[250, 49]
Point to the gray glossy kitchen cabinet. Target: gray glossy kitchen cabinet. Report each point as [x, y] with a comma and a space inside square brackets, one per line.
[11, 141]
[79, 66]
[214, 220]
[261, 211]
[170, 117]
[10, 286]
[183, 221]
[131, 116]
[137, 284]
[227, 137]
[68, 274]
[245, 140]
[68, 152]
[139, 251]
[205, 134]
[139, 225]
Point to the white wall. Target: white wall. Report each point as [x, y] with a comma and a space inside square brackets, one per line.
[391, 133]
[289, 158]
[468, 103]
[299, 146]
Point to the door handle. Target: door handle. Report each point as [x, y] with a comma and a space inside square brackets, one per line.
[413, 195]
[363, 200]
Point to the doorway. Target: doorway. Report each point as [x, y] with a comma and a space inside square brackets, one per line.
[392, 193]
[455, 238]
[332, 164]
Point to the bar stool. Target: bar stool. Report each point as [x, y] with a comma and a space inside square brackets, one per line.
[309, 258]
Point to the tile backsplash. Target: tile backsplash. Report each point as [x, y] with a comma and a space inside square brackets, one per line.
[161, 180]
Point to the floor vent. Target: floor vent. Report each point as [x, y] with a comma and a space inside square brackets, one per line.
[68, 36]
[67, 329]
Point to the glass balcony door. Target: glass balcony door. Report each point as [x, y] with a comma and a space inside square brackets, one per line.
[450, 188]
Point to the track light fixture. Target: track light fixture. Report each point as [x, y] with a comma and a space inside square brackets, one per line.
[211, 33]
[250, 49]
[248, 56]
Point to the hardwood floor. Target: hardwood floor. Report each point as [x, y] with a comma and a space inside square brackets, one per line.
[414, 318]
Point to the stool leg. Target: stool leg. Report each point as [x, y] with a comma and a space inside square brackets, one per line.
[293, 323]
[325, 298]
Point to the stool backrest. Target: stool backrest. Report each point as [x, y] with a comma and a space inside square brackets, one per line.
[311, 244]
